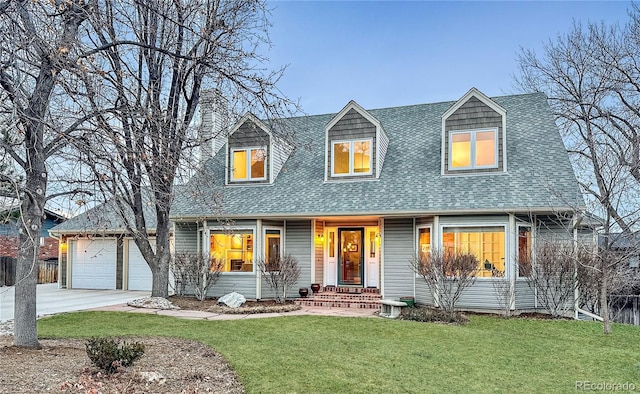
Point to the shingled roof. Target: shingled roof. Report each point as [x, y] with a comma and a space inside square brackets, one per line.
[539, 176]
[104, 218]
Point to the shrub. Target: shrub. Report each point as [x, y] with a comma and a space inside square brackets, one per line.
[194, 271]
[107, 355]
[432, 315]
[447, 273]
[279, 274]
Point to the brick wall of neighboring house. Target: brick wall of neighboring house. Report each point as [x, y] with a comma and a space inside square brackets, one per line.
[9, 247]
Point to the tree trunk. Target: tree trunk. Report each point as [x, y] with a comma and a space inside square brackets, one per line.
[25, 332]
[160, 268]
[604, 302]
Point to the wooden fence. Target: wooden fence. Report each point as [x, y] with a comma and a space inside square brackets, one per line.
[47, 271]
[626, 309]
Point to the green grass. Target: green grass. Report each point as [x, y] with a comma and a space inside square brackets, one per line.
[302, 354]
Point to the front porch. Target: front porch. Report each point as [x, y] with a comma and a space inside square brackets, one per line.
[343, 297]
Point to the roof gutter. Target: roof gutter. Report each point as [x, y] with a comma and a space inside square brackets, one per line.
[388, 214]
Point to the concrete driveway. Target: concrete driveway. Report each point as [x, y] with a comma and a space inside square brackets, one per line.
[51, 300]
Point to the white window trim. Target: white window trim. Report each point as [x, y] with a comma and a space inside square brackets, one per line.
[248, 163]
[233, 231]
[475, 225]
[351, 152]
[473, 133]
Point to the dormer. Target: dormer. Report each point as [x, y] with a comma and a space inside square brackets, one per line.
[254, 154]
[474, 136]
[355, 145]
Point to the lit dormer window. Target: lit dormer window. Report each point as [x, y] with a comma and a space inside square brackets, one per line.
[351, 158]
[249, 164]
[473, 149]
[474, 136]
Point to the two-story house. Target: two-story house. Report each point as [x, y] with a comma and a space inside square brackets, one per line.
[370, 189]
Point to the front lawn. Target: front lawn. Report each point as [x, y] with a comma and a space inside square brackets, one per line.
[356, 355]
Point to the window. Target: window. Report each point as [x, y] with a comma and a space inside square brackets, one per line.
[272, 249]
[233, 250]
[486, 243]
[248, 164]
[351, 158]
[524, 250]
[473, 149]
[424, 242]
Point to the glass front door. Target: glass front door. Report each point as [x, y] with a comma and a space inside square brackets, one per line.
[351, 267]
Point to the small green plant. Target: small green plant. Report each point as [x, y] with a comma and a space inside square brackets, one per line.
[431, 315]
[107, 355]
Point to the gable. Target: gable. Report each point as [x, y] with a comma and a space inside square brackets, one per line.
[355, 145]
[255, 144]
[478, 125]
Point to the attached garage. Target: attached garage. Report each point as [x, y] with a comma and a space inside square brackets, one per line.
[93, 263]
[139, 272]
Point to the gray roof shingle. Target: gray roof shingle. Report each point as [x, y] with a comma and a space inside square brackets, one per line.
[539, 175]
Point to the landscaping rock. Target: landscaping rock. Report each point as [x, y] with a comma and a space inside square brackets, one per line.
[232, 300]
[152, 303]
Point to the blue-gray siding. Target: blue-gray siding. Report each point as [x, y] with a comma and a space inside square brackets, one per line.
[298, 244]
[186, 237]
[398, 248]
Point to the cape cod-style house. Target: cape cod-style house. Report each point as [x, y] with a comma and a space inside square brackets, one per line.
[368, 189]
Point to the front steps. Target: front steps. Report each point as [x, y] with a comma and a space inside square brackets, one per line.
[343, 297]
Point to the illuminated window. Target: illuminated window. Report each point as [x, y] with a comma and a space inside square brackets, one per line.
[424, 242]
[486, 243]
[524, 251]
[351, 158]
[473, 149]
[248, 164]
[234, 251]
[272, 249]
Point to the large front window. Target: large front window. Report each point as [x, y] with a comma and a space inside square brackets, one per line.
[473, 149]
[351, 158]
[248, 164]
[486, 243]
[233, 251]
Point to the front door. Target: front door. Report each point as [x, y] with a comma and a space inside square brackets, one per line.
[350, 264]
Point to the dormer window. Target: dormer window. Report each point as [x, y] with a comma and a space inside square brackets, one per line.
[356, 145]
[473, 149]
[474, 136]
[351, 158]
[254, 155]
[249, 164]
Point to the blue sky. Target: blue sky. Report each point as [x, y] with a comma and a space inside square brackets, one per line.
[385, 54]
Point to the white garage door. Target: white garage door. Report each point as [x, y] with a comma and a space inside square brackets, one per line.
[94, 264]
[139, 271]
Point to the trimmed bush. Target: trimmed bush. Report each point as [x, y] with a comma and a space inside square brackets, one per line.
[432, 315]
[108, 356]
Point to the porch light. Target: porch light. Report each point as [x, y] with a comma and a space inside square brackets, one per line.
[320, 238]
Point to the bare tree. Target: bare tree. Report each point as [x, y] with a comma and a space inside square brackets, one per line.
[279, 274]
[590, 76]
[550, 272]
[447, 274]
[504, 291]
[145, 66]
[39, 43]
[193, 271]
